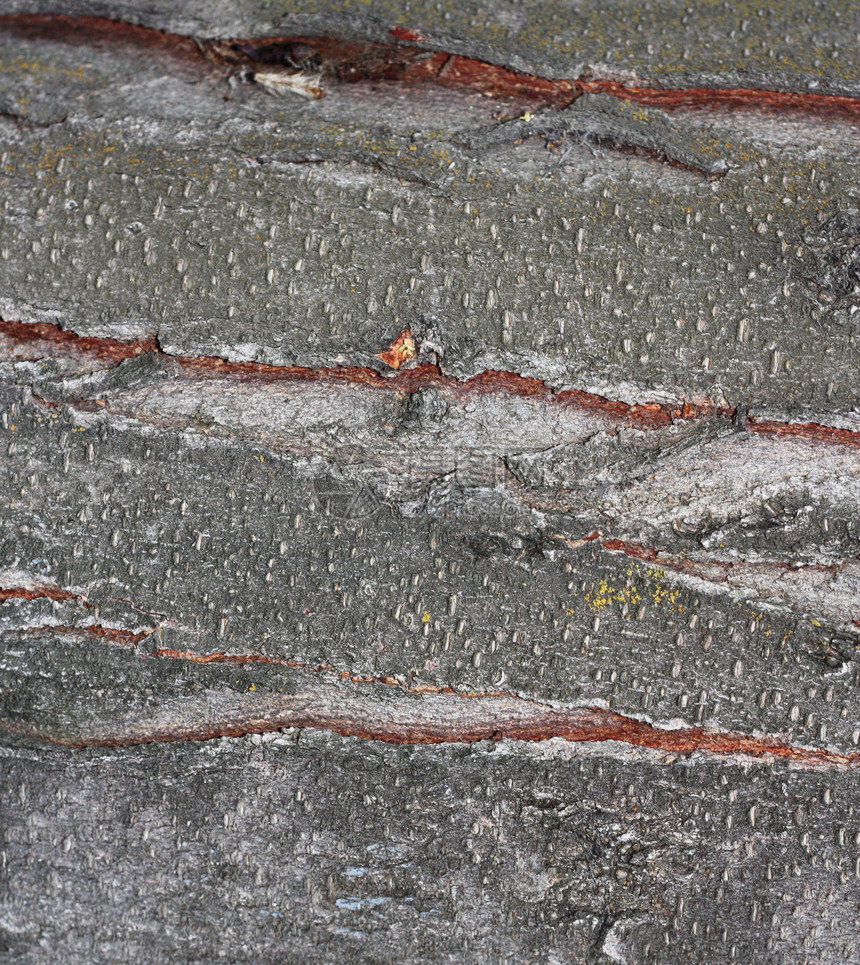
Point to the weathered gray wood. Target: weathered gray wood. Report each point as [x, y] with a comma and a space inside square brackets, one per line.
[356, 427]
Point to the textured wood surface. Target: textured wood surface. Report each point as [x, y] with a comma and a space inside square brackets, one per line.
[429, 509]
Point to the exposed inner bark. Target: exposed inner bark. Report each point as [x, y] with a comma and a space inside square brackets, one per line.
[345, 61]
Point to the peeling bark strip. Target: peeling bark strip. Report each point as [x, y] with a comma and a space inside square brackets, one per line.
[349, 62]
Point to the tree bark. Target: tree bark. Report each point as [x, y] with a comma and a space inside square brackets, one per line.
[430, 463]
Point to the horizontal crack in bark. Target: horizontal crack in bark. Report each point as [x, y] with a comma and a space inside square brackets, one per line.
[39, 592]
[52, 592]
[409, 60]
[700, 568]
[735, 574]
[697, 567]
[124, 638]
[576, 725]
[431, 719]
[804, 430]
[406, 379]
[52, 340]
[46, 338]
[730, 98]
[425, 714]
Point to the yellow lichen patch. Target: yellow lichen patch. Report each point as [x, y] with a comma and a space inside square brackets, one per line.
[604, 594]
[647, 584]
[658, 591]
[425, 617]
[21, 65]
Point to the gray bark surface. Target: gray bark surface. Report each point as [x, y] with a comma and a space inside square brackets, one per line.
[428, 512]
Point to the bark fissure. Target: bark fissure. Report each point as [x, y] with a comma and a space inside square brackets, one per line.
[405, 61]
[652, 554]
[39, 592]
[406, 714]
[424, 719]
[411, 376]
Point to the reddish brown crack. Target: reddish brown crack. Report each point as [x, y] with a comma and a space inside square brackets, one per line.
[33, 341]
[53, 592]
[39, 592]
[36, 340]
[729, 99]
[100, 32]
[124, 638]
[408, 60]
[428, 716]
[532, 721]
[114, 635]
[350, 62]
[703, 569]
[712, 570]
[737, 573]
[248, 658]
[804, 430]
[576, 725]
[419, 714]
